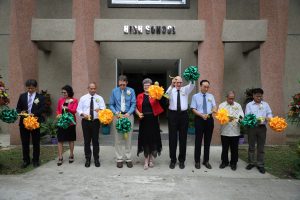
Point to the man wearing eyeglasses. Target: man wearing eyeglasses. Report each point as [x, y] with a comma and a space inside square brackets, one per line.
[122, 104]
[178, 120]
[230, 132]
[203, 105]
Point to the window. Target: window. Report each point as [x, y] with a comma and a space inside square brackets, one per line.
[149, 3]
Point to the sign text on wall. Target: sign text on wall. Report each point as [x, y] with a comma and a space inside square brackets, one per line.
[148, 29]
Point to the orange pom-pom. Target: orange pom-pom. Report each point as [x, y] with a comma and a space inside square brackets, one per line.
[156, 92]
[277, 124]
[222, 116]
[105, 116]
[31, 123]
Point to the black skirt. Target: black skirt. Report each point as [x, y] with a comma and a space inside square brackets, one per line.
[149, 140]
[66, 135]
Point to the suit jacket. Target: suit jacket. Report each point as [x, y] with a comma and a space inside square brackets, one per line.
[156, 108]
[72, 106]
[37, 109]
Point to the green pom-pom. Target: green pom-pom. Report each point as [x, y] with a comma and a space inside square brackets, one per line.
[8, 115]
[123, 125]
[191, 73]
[66, 120]
[249, 121]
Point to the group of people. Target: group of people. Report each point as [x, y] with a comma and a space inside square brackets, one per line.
[124, 103]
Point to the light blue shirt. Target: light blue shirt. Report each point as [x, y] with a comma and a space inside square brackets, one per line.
[260, 110]
[197, 102]
[115, 100]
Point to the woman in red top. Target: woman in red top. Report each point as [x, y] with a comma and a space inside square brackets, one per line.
[149, 140]
[66, 104]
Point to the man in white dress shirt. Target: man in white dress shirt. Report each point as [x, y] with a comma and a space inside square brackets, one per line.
[88, 107]
[230, 132]
[178, 120]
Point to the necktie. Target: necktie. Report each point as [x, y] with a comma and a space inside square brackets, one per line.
[123, 108]
[30, 103]
[204, 104]
[178, 101]
[92, 108]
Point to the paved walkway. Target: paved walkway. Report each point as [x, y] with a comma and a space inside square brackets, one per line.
[74, 181]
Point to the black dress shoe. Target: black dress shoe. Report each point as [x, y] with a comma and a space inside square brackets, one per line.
[36, 164]
[261, 170]
[25, 164]
[223, 165]
[172, 165]
[119, 164]
[129, 164]
[207, 165]
[87, 163]
[181, 165]
[250, 166]
[97, 163]
[197, 165]
[233, 167]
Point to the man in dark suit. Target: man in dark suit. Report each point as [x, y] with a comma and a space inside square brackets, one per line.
[30, 102]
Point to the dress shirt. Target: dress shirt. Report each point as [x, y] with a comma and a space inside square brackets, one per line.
[197, 102]
[32, 100]
[234, 110]
[260, 110]
[184, 95]
[84, 104]
[115, 100]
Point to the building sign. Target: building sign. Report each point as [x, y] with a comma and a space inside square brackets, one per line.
[149, 29]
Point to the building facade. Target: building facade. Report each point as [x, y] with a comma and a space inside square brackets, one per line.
[237, 44]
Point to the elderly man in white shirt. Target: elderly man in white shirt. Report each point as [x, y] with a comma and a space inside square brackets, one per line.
[178, 120]
[230, 132]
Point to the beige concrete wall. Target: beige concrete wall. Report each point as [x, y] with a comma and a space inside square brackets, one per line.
[4, 44]
[109, 51]
[292, 64]
[241, 72]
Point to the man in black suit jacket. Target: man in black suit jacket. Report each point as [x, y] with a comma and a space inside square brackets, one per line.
[30, 102]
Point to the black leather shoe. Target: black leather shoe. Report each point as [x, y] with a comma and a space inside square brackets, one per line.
[119, 164]
[87, 163]
[233, 167]
[25, 164]
[197, 165]
[223, 165]
[36, 164]
[97, 163]
[129, 164]
[207, 165]
[172, 165]
[261, 170]
[250, 166]
[181, 165]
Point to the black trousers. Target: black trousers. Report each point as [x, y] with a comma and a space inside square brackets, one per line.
[25, 138]
[203, 127]
[90, 131]
[233, 144]
[178, 126]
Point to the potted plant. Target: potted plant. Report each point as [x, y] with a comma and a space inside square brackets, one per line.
[49, 128]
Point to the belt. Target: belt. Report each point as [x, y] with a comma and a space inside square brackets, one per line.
[123, 113]
[175, 111]
[91, 120]
[261, 125]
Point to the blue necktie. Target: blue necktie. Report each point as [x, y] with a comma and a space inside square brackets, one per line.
[204, 104]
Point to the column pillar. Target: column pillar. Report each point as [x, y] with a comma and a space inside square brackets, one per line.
[211, 50]
[85, 51]
[22, 55]
[272, 58]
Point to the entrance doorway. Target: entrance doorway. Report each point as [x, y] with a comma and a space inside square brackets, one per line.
[158, 70]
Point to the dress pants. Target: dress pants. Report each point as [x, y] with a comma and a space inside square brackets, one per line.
[203, 127]
[121, 153]
[90, 129]
[257, 135]
[25, 138]
[178, 126]
[231, 142]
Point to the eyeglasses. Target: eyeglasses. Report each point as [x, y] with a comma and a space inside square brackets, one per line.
[122, 84]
